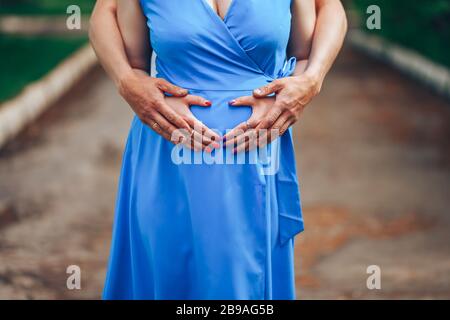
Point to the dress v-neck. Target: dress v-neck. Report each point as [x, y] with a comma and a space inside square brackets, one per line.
[211, 10]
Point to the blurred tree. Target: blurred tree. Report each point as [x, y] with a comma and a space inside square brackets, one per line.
[45, 7]
[421, 25]
[6, 3]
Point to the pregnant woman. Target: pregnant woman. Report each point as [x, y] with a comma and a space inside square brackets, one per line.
[208, 203]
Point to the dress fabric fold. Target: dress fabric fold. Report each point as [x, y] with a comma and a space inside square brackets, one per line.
[191, 225]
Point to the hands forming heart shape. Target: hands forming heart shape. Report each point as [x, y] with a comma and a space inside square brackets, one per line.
[275, 107]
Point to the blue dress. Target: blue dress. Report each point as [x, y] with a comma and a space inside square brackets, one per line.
[191, 225]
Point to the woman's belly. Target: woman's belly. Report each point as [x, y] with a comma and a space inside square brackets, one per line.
[221, 116]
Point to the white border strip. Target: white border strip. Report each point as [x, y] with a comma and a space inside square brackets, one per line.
[431, 74]
[16, 113]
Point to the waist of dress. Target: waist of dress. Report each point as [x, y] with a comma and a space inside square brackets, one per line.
[222, 78]
[227, 84]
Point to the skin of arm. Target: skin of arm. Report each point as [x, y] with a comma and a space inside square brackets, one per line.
[119, 36]
[295, 92]
[292, 93]
[105, 38]
[329, 36]
[315, 41]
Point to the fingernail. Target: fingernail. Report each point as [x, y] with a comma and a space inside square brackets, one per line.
[208, 149]
[232, 102]
[208, 103]
[258, 91]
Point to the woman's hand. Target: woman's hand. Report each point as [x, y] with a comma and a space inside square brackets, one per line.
[272, 115]
[168, 116]
[246, 136]
[201, 137]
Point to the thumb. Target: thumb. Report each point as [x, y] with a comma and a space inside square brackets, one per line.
[242, 101]
[197, 101]
[170, 88]
[270, 88]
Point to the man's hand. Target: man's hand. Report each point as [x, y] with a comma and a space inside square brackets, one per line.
[272, 114]
[146, 97]
[292, 94]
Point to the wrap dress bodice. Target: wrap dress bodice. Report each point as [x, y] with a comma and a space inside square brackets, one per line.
[209, 230]
[196, 49]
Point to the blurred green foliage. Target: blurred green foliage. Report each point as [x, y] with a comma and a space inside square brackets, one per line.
[25, 59]
[423, 25]
[43, 6]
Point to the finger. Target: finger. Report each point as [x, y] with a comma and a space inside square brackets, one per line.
[244, 147]
[208, 136]
[155, 127]
[231, 136]
[279, 128]
[275, 131]
[247, 141]
[279, 123]
[174, 118]
[270, 88]
[242, 101]
[286, 126]
[194, 142]
[241, 147]
[179, 135]
[161, 126]
[197, 101]
[207, 132]
[188, 139]
[237, 134]
[204, 135]
[203, 141]
[170, 88]
[177, 121]
[247, 136]
[270, 118]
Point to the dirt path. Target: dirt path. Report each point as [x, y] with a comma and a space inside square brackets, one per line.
[374, 164]
[375, 171]
[59, 182]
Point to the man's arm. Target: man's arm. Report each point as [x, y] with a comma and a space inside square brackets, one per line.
[329, 36]
[294, 93]
[119, 36]
[106, 40]
[303, 24]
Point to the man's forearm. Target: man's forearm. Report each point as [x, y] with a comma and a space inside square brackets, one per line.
[328, 38]
[107, 41]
